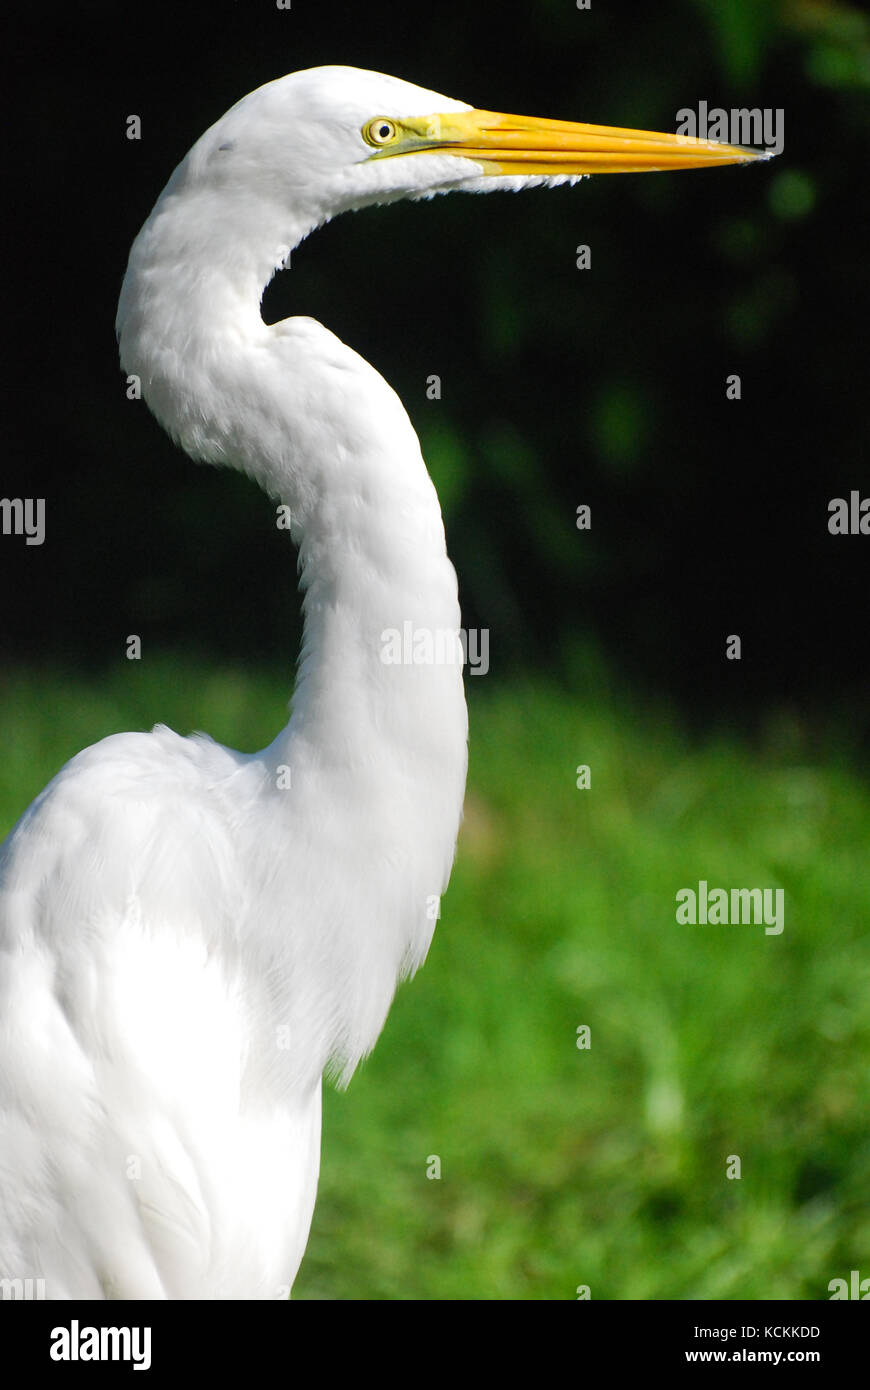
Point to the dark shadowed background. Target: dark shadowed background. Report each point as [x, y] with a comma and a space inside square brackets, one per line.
[559, 386]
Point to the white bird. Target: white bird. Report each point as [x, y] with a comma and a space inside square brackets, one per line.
[189, 936]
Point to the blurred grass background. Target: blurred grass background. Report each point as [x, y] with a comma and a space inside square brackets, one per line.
[607, 1166]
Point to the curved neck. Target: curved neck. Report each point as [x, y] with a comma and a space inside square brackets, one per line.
[376, 745]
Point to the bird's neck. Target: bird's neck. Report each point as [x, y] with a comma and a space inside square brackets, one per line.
[371, 767]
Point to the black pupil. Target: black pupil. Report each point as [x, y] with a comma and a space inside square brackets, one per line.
[383, 131]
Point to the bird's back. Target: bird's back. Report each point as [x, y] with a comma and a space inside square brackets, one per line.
[142, 1154]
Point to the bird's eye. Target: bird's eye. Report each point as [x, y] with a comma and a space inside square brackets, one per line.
[380, 131]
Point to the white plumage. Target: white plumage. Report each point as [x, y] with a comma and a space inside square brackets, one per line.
[186, 941]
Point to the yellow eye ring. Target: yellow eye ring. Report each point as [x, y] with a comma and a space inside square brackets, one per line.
[380, 131]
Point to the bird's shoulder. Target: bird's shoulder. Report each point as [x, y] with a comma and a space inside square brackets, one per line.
[127, 809]
[138, 769]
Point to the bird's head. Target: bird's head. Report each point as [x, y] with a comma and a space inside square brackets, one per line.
[328, 139]
[287, 158]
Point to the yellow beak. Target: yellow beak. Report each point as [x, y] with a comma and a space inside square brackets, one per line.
[527, 145]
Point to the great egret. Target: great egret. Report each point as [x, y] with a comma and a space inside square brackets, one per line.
[190, 937]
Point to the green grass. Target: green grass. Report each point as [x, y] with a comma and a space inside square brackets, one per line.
[561, 1167]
